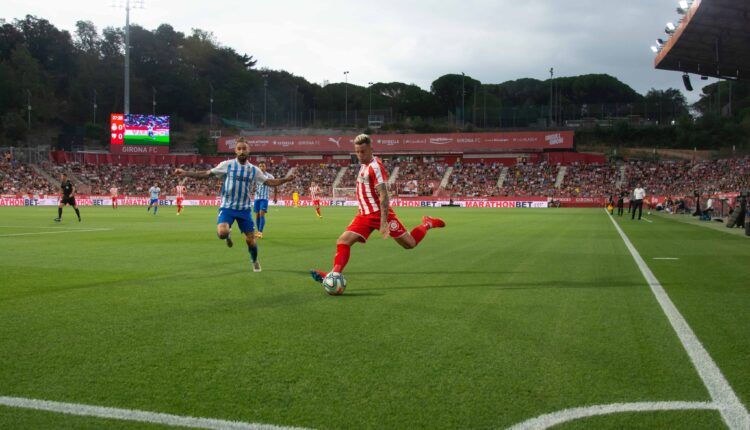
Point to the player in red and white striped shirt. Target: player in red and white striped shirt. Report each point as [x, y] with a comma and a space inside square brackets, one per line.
[314, 196]
[179, 192]
[113, 193]
[375, 212]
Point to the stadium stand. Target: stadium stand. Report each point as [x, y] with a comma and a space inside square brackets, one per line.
[414, 176]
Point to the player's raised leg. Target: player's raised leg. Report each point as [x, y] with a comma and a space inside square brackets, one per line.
[412, 239]
[224, 226]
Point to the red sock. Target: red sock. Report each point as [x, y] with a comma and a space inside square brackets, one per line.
[317, 211]
[342, 257]
[419, 232]
[179, 209]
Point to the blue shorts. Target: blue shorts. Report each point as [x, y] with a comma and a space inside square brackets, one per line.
[244, 219]
[152, 201]
[260, 205]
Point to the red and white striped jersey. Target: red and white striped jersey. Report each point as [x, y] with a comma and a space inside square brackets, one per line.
[314, 192]
[179, 191]
[113, 191]
[369, 176]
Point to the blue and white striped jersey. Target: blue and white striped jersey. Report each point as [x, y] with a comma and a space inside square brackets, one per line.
[262, 190]
[237, 187]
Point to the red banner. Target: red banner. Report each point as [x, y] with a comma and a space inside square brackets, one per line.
[407, 143]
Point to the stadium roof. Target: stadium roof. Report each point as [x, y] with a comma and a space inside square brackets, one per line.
[713, 39]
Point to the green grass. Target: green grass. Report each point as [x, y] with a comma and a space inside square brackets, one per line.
[500, 317]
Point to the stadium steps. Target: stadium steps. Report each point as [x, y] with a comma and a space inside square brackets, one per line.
[46, 175]
[339, 177]
[446, 177]
[561, 176]
[394, 176]
[501, 179]
[623, 175]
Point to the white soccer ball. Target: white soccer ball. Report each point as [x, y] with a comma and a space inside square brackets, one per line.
[334, 283]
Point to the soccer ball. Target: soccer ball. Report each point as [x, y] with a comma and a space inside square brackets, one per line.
[334, 283]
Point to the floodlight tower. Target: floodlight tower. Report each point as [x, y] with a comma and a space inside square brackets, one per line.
[137, 4]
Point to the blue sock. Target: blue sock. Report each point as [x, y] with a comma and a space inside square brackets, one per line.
[261, 223]
[156, 208]
[253, 252]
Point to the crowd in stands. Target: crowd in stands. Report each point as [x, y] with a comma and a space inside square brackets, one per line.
[589, 180]
[475, 179]
[416, 176]
[305, 174]
[21, 179]
[528, 179]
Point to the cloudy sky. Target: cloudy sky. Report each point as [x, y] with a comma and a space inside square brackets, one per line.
[411, 41]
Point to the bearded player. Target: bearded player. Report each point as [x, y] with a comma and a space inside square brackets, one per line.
[239, 178]
[375, 212]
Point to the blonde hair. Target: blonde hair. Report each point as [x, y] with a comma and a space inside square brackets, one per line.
[362, 139]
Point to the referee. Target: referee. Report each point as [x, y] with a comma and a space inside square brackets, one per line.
[638, 195]
[68, 198]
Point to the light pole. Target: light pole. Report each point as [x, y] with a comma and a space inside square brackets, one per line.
[126, 90]
[346, 97]
[265, 100]
[95, 106]
[551, 74]
[463, 101]
[28, 107]
[153, 101]
[211, 109]
[370, 90]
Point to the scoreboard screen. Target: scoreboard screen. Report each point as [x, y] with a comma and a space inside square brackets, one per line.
[139, 130]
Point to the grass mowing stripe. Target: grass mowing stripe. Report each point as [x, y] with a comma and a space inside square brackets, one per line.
[732, 410]
[135, 415]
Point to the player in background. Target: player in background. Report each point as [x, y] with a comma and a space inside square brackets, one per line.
[260, 206]
[68, 197]
[113, 193]
[150, 128]
[179, 192]
[295, 198]
[154, 201]
[375, 212]
[315, 196]
[236, 196]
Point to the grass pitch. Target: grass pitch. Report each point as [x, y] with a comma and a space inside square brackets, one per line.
[500, 317]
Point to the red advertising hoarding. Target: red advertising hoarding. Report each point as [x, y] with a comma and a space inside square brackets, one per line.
[408, 143]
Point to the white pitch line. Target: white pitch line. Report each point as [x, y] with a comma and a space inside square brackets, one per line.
[56, 232]
[135, 415]
[731, 408]
[549, 420]
[647, 220]
[665, 258]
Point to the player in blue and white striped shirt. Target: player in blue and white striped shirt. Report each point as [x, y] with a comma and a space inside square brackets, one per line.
[237, 196]
[261, 201]
[154, 192]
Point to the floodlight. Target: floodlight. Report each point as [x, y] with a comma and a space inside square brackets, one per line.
[654, 49]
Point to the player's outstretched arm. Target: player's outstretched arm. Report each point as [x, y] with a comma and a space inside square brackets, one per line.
[282, 181]
[193, 174]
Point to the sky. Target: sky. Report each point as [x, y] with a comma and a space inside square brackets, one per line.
[410, 41]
